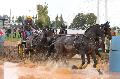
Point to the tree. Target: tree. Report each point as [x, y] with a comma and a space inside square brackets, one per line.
[90, 19]
[19, 19]
[83, 21]
[43, 18]
[53, 24]
[115, 28]
[61, 20]
[58, 21]
[79, 21]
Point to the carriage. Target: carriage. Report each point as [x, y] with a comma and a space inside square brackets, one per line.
[26, 32]
[85, 44]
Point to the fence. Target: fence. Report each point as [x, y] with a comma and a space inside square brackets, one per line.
[115, 55]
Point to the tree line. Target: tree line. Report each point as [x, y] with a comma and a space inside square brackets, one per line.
[80, 21]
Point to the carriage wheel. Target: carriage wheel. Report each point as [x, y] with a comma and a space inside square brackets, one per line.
[21, 50]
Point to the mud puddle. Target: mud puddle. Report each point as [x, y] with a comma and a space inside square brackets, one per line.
[49, 71]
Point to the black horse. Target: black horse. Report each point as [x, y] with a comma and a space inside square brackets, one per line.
[96, 37]
[88, 44]
[81, 44]
[41, 43]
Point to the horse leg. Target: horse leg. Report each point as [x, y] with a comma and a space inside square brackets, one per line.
[94, 59]
[103, 47]
[97, 53]
[88, 58]
[48, 54]
[51, 51]
[98, 69]
[83, 60]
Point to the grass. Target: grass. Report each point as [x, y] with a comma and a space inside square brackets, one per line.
[118, 34]
[10, 38]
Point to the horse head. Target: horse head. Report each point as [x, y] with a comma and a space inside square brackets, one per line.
[95, 33]
[107, 30]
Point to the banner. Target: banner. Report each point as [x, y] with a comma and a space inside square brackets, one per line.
[2, 37]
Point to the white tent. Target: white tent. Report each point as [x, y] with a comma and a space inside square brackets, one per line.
[70, 31]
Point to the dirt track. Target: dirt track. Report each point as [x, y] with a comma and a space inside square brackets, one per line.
[49, 70]
[1, 72]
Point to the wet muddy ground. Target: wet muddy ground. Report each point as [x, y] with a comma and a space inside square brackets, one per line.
[1, 72]
[50, 70]
[13, 68]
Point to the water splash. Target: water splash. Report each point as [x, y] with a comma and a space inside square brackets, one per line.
[48, 70]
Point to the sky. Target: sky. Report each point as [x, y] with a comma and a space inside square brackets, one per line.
[68, 9]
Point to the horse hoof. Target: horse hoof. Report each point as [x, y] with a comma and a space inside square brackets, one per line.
[74, 67]
[80, 67]
[94, 65]
[100, 72]
[84, 66]
[88, 62]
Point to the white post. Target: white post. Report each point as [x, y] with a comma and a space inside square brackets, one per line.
[29, 12]
[10, 15]
[98, 21]
[10, 70]
[106, 17]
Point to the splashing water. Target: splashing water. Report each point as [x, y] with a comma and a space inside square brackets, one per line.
[49, 70]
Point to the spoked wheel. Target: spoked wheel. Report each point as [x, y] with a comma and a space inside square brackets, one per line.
[21, 50]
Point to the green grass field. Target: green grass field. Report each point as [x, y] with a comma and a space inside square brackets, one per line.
[10, 38]
[118, 34]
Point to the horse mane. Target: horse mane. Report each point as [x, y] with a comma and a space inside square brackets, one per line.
[91, 27]
[88, 29]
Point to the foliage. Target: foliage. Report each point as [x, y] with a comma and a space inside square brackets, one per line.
[114, 28]
[10, 38]
[90, 19]
[79, 21]
[61, 20]
[83, 21]
[19, 19]
[58, 22]
[43, 18]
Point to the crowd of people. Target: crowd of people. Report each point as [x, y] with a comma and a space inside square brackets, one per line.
[18, 33]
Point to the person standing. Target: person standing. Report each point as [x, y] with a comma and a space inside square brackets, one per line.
[20, 33]
[14, 33]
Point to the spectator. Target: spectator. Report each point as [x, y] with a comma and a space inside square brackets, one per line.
[8, 32]
[14, 33]
[20, 33]
[24, 35]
